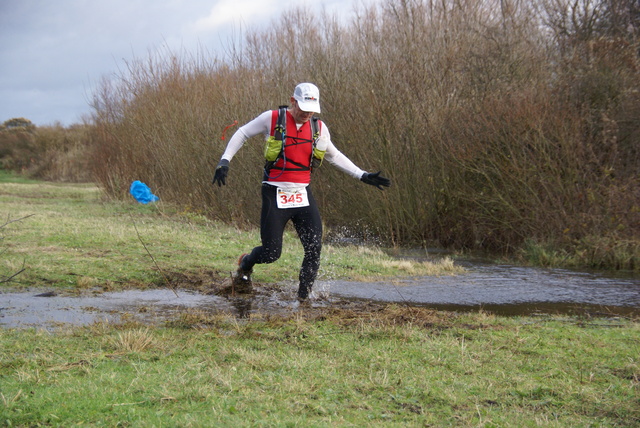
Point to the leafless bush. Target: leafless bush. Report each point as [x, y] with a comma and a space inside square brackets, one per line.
[498, 121]
[54, 152]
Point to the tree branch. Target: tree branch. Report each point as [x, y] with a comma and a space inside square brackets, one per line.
[16, 220]
[9, 278]
[9, 221]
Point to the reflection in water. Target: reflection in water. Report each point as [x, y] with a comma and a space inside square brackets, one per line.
[512, 288]
[242, 306]
[501, 285]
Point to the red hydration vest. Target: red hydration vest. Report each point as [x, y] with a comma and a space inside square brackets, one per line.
[295, 165]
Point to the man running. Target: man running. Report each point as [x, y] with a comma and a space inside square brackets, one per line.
[296, 144]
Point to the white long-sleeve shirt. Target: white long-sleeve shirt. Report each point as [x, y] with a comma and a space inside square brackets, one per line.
[262, 125]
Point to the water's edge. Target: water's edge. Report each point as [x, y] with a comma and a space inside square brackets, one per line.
[499, 289]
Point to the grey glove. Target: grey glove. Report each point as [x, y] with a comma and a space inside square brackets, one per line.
[222, 170]
[375, 179]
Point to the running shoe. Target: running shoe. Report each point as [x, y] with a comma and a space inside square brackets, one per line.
[242, 278]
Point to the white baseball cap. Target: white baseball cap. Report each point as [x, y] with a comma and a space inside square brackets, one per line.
[308, 97]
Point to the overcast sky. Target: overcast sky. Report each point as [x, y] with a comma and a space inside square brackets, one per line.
[53, 53]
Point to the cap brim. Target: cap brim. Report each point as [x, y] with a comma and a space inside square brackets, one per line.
[309, 106]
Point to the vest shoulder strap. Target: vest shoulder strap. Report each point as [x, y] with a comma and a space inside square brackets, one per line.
[281, 124]
[315, 129]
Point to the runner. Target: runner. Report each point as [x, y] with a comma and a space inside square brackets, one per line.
[297, 143]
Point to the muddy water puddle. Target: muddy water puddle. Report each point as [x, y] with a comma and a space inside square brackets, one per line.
[507, 290]
[500, 289]
[153, 306]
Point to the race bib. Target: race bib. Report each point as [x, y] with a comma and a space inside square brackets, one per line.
[292, 198]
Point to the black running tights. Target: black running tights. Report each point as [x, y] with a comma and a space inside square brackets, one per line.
[308, 225]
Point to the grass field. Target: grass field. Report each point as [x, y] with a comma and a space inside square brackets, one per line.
[370, 366]
[69, 236]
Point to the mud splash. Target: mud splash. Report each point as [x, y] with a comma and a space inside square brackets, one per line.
[500, 289]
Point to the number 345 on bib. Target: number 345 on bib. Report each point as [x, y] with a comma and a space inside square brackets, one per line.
[292, 198]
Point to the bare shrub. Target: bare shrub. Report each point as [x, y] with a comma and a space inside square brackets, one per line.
[498, 121]
[54, 152]
[17, 145]
[63, 154]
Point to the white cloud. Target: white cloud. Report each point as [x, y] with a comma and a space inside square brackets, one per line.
[52, 52]
[237, 11]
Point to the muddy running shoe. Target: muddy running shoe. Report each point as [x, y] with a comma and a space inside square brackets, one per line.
[242, 278]
[303, 293]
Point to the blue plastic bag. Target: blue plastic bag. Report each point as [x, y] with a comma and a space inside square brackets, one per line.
[142, 192]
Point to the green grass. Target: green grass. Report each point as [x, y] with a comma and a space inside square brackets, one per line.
[395, 367]
[593, 252]
[75, 238]
[363, 365]
[8, 177]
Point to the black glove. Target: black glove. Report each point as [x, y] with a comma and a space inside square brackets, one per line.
[222, 170]
[374, 179]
